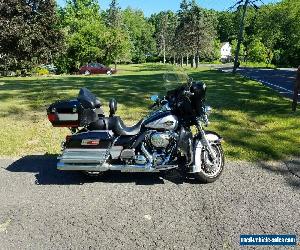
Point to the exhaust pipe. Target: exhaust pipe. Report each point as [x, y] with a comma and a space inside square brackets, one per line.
[94, 160]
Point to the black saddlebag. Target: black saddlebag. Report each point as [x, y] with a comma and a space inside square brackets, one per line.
[91, 140]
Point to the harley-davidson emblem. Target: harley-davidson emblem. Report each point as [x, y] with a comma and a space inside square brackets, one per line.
[90, 142]
[169, 123]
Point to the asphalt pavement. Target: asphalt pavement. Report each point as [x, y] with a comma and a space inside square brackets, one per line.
[42, 208]
[280, 80]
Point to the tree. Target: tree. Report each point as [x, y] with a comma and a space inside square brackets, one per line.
[85, 32]
[196, 32]
[165, 24]
[240, 35]
[242, 49]
[117, 46]
[283, 38]
[205, 33]
[114, 15]
[140, 33]
[30, 33]
[257, 52]
[181, 39]
[226, 26]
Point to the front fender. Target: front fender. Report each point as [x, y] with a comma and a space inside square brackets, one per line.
[213, 137]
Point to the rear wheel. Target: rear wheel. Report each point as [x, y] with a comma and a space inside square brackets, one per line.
[87, 72]
[109, 72]
[211, 171]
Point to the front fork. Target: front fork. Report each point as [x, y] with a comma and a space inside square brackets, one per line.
[205, 142]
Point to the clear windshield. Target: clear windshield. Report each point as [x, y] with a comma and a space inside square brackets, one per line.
[174, 77]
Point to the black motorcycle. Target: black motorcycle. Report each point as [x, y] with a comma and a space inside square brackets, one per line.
[160, 142]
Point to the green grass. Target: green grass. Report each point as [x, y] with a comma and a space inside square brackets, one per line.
[258, 65]
[255, 122]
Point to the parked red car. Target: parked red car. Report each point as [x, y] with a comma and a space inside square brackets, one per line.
[96, 68]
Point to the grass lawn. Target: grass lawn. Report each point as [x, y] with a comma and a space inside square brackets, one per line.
[255, 122]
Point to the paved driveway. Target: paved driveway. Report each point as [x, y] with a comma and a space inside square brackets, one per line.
[42, 208]
[281, 80]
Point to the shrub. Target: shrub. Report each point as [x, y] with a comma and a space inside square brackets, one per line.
[257, 51]
[40, 71]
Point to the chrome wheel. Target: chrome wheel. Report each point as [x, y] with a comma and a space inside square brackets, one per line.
[209, 167]
[211, 171]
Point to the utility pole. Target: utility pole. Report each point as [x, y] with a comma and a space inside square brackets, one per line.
[240, 37]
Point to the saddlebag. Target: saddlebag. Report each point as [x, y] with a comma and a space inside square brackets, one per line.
[86, 151]
[91, 139]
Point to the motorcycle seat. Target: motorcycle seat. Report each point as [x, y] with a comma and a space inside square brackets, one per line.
[116, 124]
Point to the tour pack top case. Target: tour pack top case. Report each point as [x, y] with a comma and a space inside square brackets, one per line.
[79, 112]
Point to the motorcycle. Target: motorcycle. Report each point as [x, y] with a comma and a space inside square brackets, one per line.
[160, 142]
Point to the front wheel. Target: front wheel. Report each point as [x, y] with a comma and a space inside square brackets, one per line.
[211, 171]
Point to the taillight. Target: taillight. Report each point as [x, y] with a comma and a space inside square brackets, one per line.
[52, 117]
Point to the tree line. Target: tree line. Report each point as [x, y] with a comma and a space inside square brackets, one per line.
[271, 32]
[40, 32]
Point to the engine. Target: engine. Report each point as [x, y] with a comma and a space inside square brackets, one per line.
[161, 145]
[157, 150]
[160, 139]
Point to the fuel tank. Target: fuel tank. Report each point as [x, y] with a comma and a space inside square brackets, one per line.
[162, 121]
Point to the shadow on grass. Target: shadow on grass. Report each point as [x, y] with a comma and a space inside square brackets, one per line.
[129, 90]
[230, 92]
[256, 107]
[225, 91]
[44, 168]
[252, 116]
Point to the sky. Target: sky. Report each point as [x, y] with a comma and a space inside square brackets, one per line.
[153, 6]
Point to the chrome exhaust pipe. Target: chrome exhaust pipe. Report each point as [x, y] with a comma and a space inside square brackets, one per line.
[94, 160]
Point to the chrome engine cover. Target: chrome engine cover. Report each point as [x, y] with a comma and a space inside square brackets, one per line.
[160, 139]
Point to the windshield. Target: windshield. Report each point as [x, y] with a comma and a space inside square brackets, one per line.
[174, 77]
